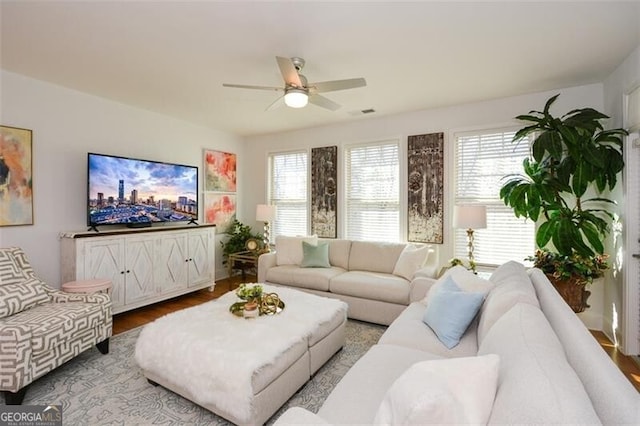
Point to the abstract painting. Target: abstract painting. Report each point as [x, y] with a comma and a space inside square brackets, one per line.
[324, 191]
[219, 171]
[220, 209]
[16, 185]
[425, 188]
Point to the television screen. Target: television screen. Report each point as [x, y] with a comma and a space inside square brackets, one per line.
[133, 192]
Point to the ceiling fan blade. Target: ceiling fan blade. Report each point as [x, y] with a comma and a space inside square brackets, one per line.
[246, 86]
[332, 86]
[323, 102]
[276, 104]
[289, 72]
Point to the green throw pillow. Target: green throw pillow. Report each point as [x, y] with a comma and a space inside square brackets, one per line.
[315, 256]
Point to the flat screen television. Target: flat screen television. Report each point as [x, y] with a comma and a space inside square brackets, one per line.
[137, 193]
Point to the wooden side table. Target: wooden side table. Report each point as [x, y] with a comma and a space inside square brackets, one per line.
[88, 286]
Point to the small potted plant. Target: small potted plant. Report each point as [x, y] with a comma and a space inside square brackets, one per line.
[239, 234]
[249, 293]
[572, 158]
[471, 265]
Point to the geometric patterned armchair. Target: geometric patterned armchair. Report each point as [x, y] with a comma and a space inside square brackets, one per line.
[42, 328]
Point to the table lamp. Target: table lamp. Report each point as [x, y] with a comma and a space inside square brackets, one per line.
[266, 213]
[470, 217]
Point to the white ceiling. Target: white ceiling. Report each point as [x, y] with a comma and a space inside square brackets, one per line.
[173, 56]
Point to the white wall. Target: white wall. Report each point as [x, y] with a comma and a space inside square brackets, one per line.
[624, 328]
[489, 114]
[67, 124]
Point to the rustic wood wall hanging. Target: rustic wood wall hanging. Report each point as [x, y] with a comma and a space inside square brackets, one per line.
[425, 173]
[324, 191]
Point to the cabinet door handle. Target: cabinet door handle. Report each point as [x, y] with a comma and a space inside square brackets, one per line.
[128, 271]
[121, 272]
[636, 255]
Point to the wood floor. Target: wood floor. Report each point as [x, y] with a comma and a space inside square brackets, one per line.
[132, 319]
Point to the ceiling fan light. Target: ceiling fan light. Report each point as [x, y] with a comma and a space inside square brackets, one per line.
[296, 98]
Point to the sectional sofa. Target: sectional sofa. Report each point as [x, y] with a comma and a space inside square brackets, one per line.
[377, 280]
[524, 359]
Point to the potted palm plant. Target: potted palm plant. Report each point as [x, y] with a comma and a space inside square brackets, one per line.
[573, 161]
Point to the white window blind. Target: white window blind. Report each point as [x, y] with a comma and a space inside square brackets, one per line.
[288, 192]
[482, 161]
[372, 192]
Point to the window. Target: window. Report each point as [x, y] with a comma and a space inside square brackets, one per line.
[373, 192]
[482, 161]
[288, 192]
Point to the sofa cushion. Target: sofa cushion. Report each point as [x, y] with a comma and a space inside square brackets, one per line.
[315, 256]
[357, 396]
[451, 310]
[410, 331]
[536, 384]
[443, 391]
[412, 258]
[16, 298]
[289, 249]
[310, 278]
[374, 256]
[338, 252]
[512, 286]
[371, 285]
[54, 324]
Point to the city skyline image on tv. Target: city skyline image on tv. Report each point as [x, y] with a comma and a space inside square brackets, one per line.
[133, 191]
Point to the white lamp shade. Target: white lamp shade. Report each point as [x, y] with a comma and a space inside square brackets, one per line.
[296, 98]
[470, 216]
[265, 213]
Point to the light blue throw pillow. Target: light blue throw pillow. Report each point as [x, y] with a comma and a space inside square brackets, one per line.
[315, 256]
[450, 310]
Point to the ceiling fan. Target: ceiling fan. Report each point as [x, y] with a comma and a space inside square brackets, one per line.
[297, 92]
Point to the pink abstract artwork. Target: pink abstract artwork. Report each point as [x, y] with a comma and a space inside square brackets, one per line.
[220, 209]
[220, 171]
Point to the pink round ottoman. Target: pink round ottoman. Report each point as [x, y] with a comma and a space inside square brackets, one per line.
[88, 286]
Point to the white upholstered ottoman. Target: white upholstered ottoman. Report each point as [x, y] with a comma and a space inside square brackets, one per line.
[242, 369]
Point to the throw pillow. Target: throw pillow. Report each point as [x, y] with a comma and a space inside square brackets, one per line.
[11, 270]
[412, 258]
[443, 391]
[289, 249]
[15, 298]
[315, 256]
[450, 311]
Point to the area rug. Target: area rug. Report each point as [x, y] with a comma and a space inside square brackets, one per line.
[96, 389]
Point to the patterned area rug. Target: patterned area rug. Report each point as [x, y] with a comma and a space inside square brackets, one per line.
[96, 389]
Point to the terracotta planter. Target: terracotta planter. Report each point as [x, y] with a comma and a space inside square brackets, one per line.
[573, 291]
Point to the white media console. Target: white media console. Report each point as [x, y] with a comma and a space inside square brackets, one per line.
[145, 265]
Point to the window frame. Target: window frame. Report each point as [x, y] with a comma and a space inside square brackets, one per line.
[495, 206]
[399, 209]
[275, 225]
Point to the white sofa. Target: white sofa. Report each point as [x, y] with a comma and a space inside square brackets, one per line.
[550, 369]
[377, 280]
